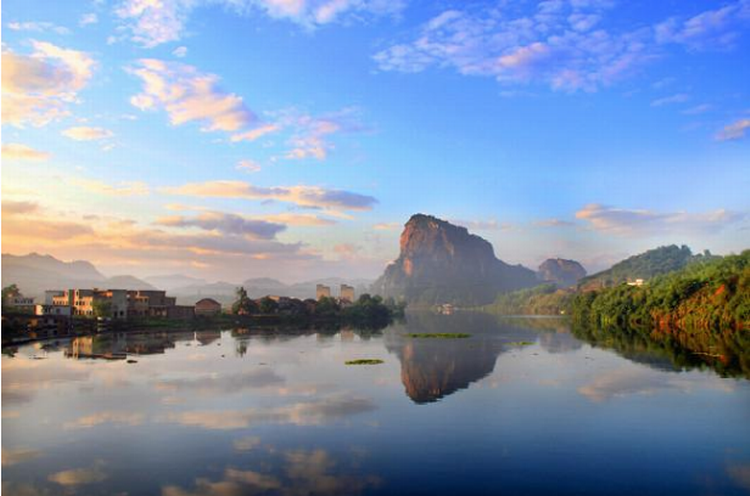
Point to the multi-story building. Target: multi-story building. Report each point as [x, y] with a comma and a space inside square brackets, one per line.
[321, 290]
[347, 293]
[123, 303]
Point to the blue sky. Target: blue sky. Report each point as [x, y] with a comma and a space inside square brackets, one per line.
[228, 139]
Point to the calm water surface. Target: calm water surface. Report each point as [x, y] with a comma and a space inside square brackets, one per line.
[245, 412]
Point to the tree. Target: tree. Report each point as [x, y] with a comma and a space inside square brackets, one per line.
[243, 305]
[268, 305]
[9, 292]
[102, 308]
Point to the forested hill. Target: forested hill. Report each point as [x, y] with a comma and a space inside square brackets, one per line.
[647, 265]
[710, 295]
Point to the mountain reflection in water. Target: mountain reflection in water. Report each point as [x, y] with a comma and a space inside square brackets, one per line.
[278, 412]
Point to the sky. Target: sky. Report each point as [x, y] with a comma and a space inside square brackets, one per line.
[228, 139]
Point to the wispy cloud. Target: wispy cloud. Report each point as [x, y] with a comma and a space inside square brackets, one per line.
[668, 100]
[306, 196]
[85, 133]
[562, 45]
[734, 131]
[226, 224]
[255, 133]
[711, 29]
[483, 225]
[553, 223]
[625, 222]
[80, 476]
[556, 46]
[38, 27]
[698, 109]
[88, 19]
[126, 188]
[153, 23]
[188, 95]
[180, 51]
[303, 413]
[18, 151]
[38, 88]
[248, 165]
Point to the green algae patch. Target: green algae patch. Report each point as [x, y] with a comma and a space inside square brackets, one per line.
[365, 361]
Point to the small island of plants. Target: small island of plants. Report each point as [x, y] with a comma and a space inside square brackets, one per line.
[438, 335]
[365, 361]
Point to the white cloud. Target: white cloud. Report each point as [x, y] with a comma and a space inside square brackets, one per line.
[84, 133]
[188, 95]
[38, 88]
[540, 48]
[562, 45]
[38, 27]
[227, 224]
[305, 196]
[712, 29]
[255, 133]
[18, 151]
[669, 100]
[248, 165]
[734, 131]
[180, 51]
[698, 109]
[87, 19]
[133, 188]
[625, 222]
[152, 23]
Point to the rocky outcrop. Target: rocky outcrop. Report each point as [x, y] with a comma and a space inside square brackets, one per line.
[563, 273]
[443, 263]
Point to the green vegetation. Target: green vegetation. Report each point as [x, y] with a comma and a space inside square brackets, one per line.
[703, 308]
[651, 263]
[102, 308]
[244, 305]
[519, 343]
[365, 361]
[368, 312]
[9, 292]
[545, 299]
[438, 335]
[713, 294]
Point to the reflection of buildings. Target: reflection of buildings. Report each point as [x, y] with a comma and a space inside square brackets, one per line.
[434, 368]
[117, 346]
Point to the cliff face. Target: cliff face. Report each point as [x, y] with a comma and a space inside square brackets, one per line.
[562, 272]
[441, 263]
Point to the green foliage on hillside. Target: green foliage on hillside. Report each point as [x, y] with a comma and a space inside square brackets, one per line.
[710, 294]
[647, 265]
[545, 299]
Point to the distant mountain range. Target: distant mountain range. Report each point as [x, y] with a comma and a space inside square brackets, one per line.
[34, 273]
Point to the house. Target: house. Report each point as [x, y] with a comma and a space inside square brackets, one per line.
[57, 310]
[207, 307]
[637, 282]
[181, 312]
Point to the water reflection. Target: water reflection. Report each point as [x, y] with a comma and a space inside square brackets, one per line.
[434, 368]
[271, 411]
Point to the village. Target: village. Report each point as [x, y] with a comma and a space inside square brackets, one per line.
[78, 311]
